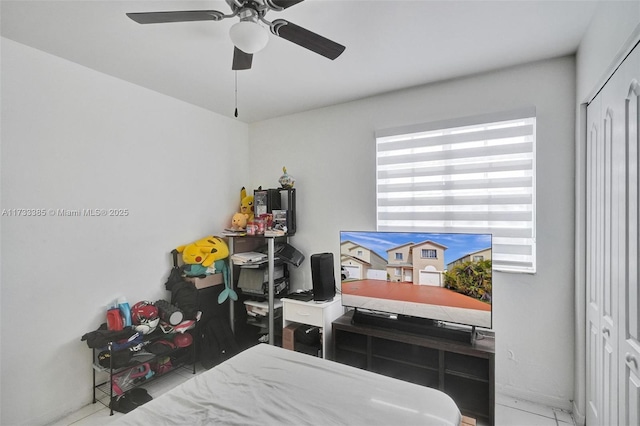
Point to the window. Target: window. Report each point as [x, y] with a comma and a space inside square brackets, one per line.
[398, 256]
[429, 254]
[478, 258]
[470, 175]
[397, 272]
[360, 254]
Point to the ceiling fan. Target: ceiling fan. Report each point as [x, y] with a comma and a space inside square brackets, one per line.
[247, 35]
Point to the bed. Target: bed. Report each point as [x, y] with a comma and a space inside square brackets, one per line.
[268, 385]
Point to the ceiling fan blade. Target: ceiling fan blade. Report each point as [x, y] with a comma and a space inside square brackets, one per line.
[282, 4]
[177, 16]
[241, 60]
[307, 39]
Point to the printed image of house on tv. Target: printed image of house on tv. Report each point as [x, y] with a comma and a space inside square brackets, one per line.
[439, 276]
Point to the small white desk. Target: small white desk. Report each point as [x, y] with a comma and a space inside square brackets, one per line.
[319, 314]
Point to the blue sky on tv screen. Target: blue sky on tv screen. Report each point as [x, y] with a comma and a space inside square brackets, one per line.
[458, 245]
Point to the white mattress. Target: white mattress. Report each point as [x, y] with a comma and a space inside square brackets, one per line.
[268, 385]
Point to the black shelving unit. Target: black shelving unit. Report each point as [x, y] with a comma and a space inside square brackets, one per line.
[180, 357]
[238, 244]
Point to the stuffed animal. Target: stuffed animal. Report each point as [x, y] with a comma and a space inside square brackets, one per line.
[246, 204]
[239, 221]
[204, 251]
[228, 292]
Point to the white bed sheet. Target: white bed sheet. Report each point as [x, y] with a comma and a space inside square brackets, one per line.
[268, 385]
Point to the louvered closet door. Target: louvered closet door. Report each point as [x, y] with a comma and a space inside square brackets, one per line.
[628, 90]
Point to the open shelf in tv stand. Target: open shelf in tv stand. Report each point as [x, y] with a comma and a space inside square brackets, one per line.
[463, 370]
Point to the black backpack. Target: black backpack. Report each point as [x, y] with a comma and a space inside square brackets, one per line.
[184, 294]
[217, 342]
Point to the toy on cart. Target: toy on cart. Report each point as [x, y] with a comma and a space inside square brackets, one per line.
[206, 256]
[130, 378]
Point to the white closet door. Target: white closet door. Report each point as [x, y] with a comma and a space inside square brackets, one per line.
[594, 282]
[628, 87]
[602, 277]
[614, 261]
[613, 247]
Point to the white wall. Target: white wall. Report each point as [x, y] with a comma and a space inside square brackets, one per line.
[610, 35]
[331, 153]
[71, 139]
[602, 49]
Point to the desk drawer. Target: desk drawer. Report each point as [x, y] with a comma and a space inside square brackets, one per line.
[304, 314]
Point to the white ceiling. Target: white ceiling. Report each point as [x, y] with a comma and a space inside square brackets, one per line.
[390, 45]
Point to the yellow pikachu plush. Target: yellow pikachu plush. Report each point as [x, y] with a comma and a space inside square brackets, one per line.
[246, 204]
[204, 251]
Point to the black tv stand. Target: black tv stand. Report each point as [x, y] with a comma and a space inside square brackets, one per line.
[462, 370]
[423, 326]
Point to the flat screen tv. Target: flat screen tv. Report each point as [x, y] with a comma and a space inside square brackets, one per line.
[441, 277]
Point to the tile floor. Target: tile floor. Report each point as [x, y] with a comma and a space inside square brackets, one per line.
[509, 411]
[513, 412]
[98, 414]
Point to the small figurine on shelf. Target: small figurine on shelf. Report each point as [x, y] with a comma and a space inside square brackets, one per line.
[286, 181]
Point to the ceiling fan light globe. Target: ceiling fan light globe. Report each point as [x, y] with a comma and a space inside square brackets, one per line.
[248, 36]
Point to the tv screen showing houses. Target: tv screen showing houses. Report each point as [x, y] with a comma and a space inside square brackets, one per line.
[441, 276]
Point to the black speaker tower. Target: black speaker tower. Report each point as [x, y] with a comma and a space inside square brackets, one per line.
[322, 275]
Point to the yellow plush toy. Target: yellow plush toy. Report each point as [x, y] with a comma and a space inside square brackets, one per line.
[239, 221]
[246, 204]
[204, 251]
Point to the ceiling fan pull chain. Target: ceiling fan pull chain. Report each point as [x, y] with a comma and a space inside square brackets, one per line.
[236, 110]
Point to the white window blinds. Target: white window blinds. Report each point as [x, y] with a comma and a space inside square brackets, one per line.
[473, 175]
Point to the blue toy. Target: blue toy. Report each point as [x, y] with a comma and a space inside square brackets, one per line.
[228, 292]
